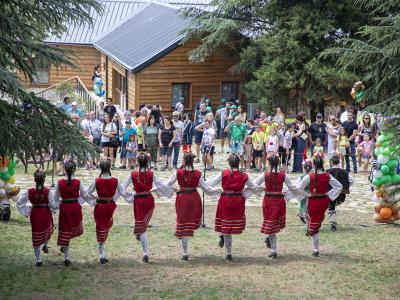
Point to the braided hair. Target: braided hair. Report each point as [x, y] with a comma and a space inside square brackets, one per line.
[234, 162]
[273, 163]
[318, 165]
[188, 159]
[70, 168]
[105, 167]
[143, 161]
[39, 177]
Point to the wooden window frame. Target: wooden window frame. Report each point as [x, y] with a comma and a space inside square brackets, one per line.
[237, 82]
[188, 101]
[48, 75]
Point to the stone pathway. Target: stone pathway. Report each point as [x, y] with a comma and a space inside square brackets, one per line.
[359, 199]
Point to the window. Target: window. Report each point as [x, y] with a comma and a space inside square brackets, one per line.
[42, 68]
[180, 90]
[230, 90]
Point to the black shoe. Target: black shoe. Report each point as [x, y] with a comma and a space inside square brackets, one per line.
[185, 257]
[145, 259]
[45, 249]
[315, 253]
[221, 241]
[333, 228]
[273, 255]
[268, 242]
[138, 237]
[122, 167]
[104, 260]
[228, 257]
[303, 220]
[38, 264]
[67, 262]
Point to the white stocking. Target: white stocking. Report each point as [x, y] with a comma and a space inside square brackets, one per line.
[315, 242]
[66, 253]
[228, 243]
[38, 254]
[101, 250]
[143, 241]
[273, 241]
[185, 245]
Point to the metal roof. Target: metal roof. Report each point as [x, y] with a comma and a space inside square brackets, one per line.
[114, 12]
[153, 31]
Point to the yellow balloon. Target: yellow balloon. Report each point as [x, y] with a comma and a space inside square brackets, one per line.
[11, 180]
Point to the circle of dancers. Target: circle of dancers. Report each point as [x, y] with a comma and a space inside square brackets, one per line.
[316, 190]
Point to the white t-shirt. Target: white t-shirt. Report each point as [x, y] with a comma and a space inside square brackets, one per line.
[94, 128]
[209, 136]
[343, 117]
[179, 129]
[110, 127]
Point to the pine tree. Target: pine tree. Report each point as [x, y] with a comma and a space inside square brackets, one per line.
[279, 43]
[29, 125]
[375, 56]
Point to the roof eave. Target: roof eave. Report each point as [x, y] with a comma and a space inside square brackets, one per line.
[69, 43]
[105, 52]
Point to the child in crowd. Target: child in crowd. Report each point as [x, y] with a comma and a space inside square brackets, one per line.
[208, 144]
[342, 143]
[272, 142]
[287, 145]
[281, 137]
[318, 148]
[131, 151]
[248, 146]
[187, 133]
[257, 139]
[366, 147]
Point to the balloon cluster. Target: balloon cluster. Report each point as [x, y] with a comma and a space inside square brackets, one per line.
[8, 189]
[385, 174]
[98, 87]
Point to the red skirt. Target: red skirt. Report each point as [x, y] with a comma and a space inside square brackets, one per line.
[103, 216]
[42, 225]
[230, 217]
[69, 223]
[188, 214]
[316, 209]
[143, 210]
[274, 212]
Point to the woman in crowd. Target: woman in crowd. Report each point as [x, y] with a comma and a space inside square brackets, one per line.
[242, 114]
[279, 116]
[166, 136]
[143, 201]
[274, 205]
[39, 213]
[108, 191]
[100, 112]
[151, 140]
[230, 216]
[108, 134]
[116, 141]
[300, 145]
[333, 132]
[69, 197]
[322, 188]
[188, 202]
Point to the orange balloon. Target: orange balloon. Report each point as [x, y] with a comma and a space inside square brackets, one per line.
[385, 212]
[377, 145]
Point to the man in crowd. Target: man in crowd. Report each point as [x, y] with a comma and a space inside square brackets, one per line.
[223, 114]
[178, 138]
[110, 109]
[199, 118]
[351, 128]
[237, 131]
[125, 133]
[93, 127]
[180, 107]
[317, 129]
[75, 110]
[65, 106]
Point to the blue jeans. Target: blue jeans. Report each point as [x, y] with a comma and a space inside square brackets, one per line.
[298, 154]
[175, 147]
[351, 151]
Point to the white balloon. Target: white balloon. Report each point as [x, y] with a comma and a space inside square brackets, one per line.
[382, 159]
[3, 192]
[8, 186]
[4, 170]
[377, 174]
[2, 183]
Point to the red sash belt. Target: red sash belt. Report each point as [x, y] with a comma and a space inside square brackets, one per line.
[186, 190]
[37, 205]
[104, 200]
[142, 195]
[231, 193]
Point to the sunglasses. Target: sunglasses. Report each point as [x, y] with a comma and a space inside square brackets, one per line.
[366, 118]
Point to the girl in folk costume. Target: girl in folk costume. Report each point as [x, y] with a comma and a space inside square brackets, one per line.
[230, 217]
[108, 191]
[319, 197]
[302, 214]
[188, 201]
[143, 201]
[40, 215]
[274, 205]
[69, 196]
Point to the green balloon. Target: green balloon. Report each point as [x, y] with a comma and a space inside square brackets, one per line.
[384, 144]
[392, 173]
[392, 164]
[378, 151]
[385, 169]
[5, 176]
[396, 178]
[377, 182]
[381, 139]
[386, 179]
[386, 152]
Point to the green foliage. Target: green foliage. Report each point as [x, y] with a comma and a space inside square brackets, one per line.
[374, 54]
[29, 124]
[279, 43]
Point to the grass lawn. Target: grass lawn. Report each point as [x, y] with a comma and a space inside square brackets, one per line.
[359, 261]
